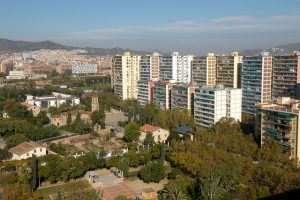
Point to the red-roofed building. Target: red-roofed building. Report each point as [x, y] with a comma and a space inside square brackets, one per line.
[35, 109]
[159, 134]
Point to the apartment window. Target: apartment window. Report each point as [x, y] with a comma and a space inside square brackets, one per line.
[34, 151]
[41, 149]
[27, 154]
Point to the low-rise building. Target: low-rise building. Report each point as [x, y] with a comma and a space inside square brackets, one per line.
[27, 150]
[84, 69]
[61, 120]
[280, 121]
[33, 108]
[16, 75]
[159, 134]
[54, 100]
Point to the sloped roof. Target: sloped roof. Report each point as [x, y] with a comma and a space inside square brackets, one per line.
[148, 128]
[184, 129]
[25, 147]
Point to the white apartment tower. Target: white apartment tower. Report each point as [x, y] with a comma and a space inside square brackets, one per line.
[211, 103]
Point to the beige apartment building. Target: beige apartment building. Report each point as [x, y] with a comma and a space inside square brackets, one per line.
[280, 121]
[125, 75]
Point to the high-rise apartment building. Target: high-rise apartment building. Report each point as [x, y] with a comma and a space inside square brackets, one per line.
[182, 96]
[286, 75]
[184, 68]
[280, 121]
[125, 75]
[166, 68]
[144, 89]
[204, 69]
[228, 70]
[211, 103]
[145, 68]
[256, 81]
[162, 94]
[155, 61]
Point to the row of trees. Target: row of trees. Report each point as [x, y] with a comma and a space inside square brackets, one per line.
[17, 131]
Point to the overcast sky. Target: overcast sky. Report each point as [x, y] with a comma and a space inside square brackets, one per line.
[187, 26]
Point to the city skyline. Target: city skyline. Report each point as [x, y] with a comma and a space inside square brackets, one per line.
[190, 27]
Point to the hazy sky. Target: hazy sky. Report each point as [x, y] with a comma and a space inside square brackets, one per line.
[189, 26]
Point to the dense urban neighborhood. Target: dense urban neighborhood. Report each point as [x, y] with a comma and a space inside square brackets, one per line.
[129, 126]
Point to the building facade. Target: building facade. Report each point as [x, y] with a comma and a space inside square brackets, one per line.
[104, 65]
[256, 81]
[162, 94]
[84, 69]
[27, 150]
[204, 69]
[182, 96]
[166, 69]
[285, 75]
[280, 121]
[145, 68]
[126, 75]
[211, 103]
[160, 135]
[228, 70]
[145, 92]
[184, 68]
[54, 100]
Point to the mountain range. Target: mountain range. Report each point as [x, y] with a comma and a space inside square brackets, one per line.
[10, 46]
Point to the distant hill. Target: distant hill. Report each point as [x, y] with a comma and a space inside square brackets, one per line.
[281, 49]
[10, 46]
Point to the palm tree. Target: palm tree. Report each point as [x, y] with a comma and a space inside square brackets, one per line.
[170, 192]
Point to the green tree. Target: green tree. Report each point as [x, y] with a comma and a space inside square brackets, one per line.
[34, 168]
[171, 192]
[98, 117]
[211, 187]
[162, 152]
[149, 139]
[69, 120]
[152, 172]
[5, 154]
[42, 118]
[132, 132]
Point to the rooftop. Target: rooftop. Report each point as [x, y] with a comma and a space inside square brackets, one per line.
[25, 147]
[148, 128]
[184, 129]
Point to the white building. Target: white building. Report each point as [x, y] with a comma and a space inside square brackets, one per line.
[184, 68]
[54, 100]
[16, 74]
[159, 134]
[211, 103]
[27, 150]
[84, 69]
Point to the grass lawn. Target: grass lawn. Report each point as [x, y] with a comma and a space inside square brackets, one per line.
[67, 187]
